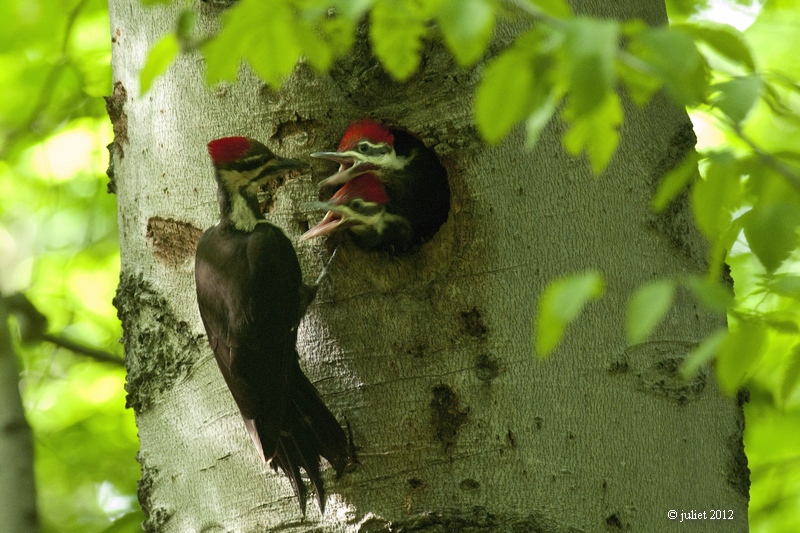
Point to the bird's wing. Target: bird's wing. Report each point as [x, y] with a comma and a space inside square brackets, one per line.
[244, 292]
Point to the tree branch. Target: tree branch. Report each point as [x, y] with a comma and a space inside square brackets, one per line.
[82, 349]
[33, 328]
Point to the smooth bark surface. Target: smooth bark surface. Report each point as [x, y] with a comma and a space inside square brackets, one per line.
[426, 357]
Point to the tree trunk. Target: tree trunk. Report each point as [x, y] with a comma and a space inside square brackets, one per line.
[17, 484]
[426, 357]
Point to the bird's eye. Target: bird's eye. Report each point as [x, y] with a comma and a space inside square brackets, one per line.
[357, 204]
[363, 147]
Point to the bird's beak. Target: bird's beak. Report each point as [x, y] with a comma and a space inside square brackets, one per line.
[284, 164]
[350, 166]
[343, 158]
[345, 175]
[337, 218]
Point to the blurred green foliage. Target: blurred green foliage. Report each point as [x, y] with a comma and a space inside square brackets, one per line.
[58, 244]
[58, 232]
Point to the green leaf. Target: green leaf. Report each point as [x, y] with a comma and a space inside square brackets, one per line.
[771, 231]
[647, 308]
[737, 97]
[467, 26]
[130, 521]
[315, 49]
[738, 353]
[158, 60]
[674, 58]
[502, 97]
[184, 28]
[323, 39]
[641, 85]
[785, 285]
[396, 31]
[560, 303]
[555, 8]
[703, 353]
[539, 118]
[792, 375]
[717, 195]
[595, 133]
[724, 39]
[351, 9]
[262, 34]
[675, 180]
[589, 53]
[782, 322]
[711, 294]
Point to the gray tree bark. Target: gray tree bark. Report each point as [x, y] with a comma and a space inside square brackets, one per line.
[426, 357]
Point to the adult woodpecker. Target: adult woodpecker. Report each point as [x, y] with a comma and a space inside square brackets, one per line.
[415, 197]
[252, 297]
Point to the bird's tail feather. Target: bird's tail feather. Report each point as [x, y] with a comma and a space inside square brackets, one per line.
[310, 431]
[286, 459]
[329, 437]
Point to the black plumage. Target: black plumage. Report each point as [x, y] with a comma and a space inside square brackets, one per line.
[252, 298]
[419, 192]
[394, 193]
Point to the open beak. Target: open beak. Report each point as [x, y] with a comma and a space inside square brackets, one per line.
[345, 175]
[343, 158]
[349, 167]
[337, 218]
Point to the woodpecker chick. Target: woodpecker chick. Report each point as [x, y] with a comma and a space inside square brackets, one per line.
[252, 298]
[360, 206]
[366, 146]
[417, 194]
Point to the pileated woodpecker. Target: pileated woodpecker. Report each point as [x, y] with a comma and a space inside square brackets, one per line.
[395, 194]
[361, 206]
[252, 297]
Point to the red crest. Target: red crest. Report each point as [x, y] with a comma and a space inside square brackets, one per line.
[228, 149]
[366, 186]
[365, 130]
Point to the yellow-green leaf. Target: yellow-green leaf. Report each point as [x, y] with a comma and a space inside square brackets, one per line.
[792, 375]
[539, 118]
[259, 32]
[771, 231]
[740, 351]
[502, 98]
[785, 285]
[674, 58]
[467, 26]
[737, 97]
[158, 60]
[556, 8]
[595, 133]
[396, 31]
[711, 293]
[675, 180]
[703, 353]
[560, 304]
[589, 53]
[717, 195]
[725, 40]
[647, 308]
